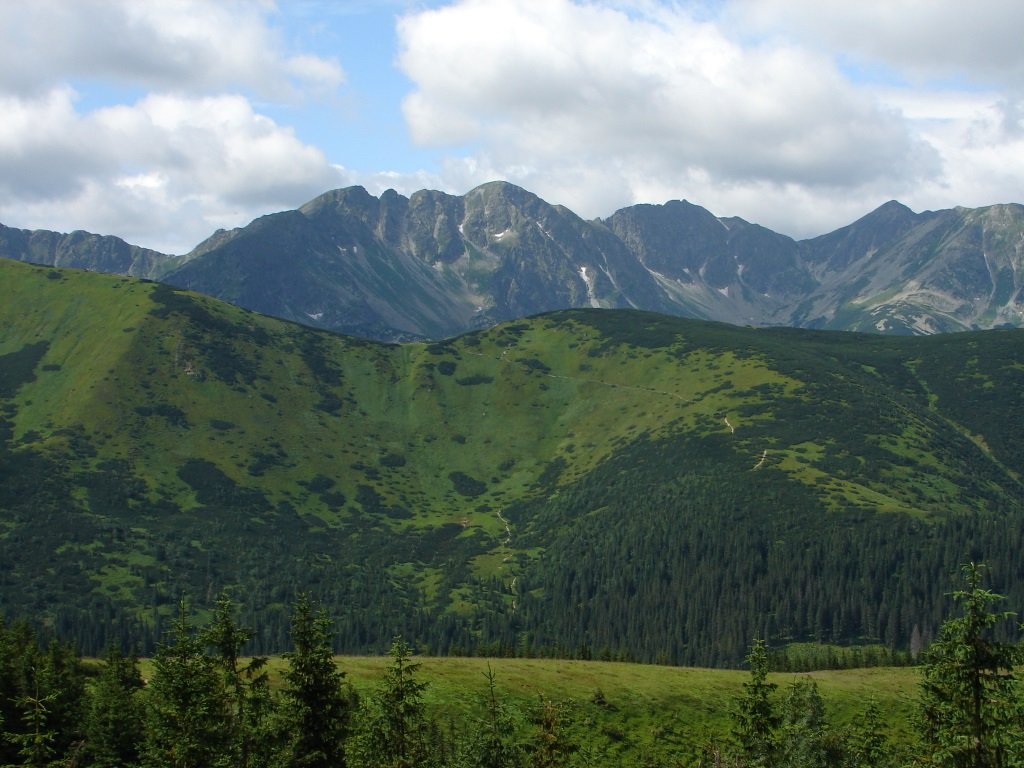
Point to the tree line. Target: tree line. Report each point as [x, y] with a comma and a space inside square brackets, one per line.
[970, 708]
[205, 706]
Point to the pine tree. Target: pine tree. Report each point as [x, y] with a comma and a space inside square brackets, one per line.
[114, 720]
[755, 717]
[550, 746]
[494, 742]
[35, 744]
[805, 739]
[867, 743]
[247, 686]
[969, 702]
[187, 720]
[17, 647]
[259, 734]
[396, 732]
[318, 705]
[42, 695]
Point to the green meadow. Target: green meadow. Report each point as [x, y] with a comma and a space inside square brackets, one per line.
[626, 714]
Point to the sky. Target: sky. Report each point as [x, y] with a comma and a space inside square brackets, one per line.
[161, 121]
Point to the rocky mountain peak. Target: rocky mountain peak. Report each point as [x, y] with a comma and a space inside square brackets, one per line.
[434, 264]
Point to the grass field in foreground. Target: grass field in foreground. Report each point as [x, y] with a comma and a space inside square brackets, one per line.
[623, 711]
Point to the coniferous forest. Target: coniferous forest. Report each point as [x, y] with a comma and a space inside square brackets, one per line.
[205, 704]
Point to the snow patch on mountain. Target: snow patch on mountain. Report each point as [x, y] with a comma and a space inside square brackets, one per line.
[589, 282]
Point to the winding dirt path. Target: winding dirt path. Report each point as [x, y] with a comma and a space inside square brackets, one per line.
[508, 558]
[508, 531]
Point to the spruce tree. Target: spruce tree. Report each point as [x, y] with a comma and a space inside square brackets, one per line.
[969, 700]
[867, 743]
[60, 674]
[805, 739]
[755, 718]
[187, 720]
[550, 746]
[42, 695]
[246, 685]
[395, 732]
[114, 720]
[17, 648]
[318, 704]
[494, 743]
[35, 743]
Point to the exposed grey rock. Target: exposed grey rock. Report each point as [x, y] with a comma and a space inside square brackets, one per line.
[436, 265]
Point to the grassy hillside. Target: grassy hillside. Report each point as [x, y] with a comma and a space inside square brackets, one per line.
[602, 483]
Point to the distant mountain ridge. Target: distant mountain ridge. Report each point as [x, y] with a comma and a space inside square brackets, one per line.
[84, 250]
[435, 265]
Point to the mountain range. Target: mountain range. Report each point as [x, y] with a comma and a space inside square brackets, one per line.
[435, 265]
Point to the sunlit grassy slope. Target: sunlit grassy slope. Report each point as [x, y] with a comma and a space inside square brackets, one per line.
[158, 441]
[162, 378]
[692, 698]
[630, 711]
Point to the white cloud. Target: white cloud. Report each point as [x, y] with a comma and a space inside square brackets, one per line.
[797, 114]
[953, 71]
[165, 171]
[150, 119]
[322, 74]
[192, 46]
[41, 148]
[180, 150]
[977, 41]
[654, 99]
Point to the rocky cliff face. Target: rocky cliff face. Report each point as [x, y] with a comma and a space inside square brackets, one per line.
[431, 265]
[434, 265]
[83, 250]
[894, 271]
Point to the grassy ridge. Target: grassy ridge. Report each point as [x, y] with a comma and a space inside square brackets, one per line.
[476, 490]
[497, 407]
[279, 406]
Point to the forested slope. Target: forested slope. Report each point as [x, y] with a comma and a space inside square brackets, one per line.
[591, 482]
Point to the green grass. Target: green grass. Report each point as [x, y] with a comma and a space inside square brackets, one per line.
[693, 694]
[554, 391]
[646, 708]
[624, 711]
